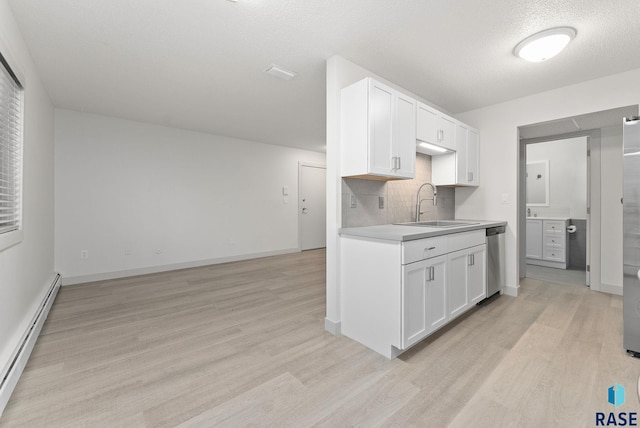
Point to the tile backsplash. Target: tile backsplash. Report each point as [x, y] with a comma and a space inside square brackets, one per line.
[399, 199]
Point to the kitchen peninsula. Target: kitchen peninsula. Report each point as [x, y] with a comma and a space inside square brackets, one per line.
[402, 282]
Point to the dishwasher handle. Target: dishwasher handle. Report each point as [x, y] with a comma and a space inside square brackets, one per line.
[492, 231]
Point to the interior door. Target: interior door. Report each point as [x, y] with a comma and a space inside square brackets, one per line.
[312, 205]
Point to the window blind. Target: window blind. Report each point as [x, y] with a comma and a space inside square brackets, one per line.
[11, 113]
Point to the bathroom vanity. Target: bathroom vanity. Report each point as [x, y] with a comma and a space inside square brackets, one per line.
[547, 243]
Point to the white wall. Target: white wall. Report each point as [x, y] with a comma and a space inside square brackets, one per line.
[26, 269]
[499, 156]
[145, 198]
[611, 208]
[567, 174]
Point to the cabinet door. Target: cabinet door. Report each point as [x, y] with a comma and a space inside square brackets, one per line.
[437, 293]
[414, 298]
[427, 124]
[424, 299]
[381, 116]
[477, 274]
[447, 132]
[462, 134]
[404, 142]
[534, 239]
[458, 298]
[473, 159]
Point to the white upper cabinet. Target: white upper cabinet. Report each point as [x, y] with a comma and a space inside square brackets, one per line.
[435, 127]
[377, 132]
[459, 168]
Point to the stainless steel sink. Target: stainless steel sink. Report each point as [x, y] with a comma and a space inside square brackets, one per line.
[437, 223]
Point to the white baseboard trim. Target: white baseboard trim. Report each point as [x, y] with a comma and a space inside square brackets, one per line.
[22, 353]
[81, 279]
[511, 291]
[332, 327]
[611, 289]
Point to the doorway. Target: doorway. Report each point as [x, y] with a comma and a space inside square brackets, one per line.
[312, 212]
[557, 200]
[604, 245]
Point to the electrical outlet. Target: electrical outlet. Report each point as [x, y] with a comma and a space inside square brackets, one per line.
[354, 201]
[127, 251]
[381, 202]
[84, 254]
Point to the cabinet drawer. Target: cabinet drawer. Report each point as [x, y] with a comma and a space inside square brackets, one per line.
[554, 255]
[553, 227]
[421, 249]
[554, 242]
[459, 241]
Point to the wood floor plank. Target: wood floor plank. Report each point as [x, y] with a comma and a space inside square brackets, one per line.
[256, 407]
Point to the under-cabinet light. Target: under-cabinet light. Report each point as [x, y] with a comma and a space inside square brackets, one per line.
[432, 147]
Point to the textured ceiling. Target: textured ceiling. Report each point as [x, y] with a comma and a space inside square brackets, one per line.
[198, 64]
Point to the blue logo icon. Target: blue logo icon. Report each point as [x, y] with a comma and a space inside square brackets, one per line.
[616, 395]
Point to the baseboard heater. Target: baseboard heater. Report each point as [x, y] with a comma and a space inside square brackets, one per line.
[22, 353]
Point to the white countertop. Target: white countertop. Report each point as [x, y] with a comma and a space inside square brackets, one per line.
[398, 232]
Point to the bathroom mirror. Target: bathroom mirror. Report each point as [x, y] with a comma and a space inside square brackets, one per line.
[537, 178]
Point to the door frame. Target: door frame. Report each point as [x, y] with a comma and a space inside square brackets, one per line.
[302, 164]
[593, 202]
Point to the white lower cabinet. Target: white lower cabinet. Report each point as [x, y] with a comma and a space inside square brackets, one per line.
[467, 278]
[477, 278]
[395, 294]
[424, 299]
[547, 242]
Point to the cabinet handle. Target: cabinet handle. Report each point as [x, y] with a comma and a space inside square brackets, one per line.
[433, 273]
[429, 273]
[395, 162]
[399, 162]
[470, 176]
[430, 248]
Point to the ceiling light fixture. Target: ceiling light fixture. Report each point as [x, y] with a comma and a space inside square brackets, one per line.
[545, 44]
[280, 72]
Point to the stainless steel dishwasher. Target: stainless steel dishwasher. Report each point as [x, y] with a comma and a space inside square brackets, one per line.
[495, 261]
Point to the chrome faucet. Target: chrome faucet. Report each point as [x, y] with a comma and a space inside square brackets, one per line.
[418, 200]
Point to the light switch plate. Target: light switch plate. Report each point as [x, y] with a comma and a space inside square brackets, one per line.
[354, 201]
[505, 198]
[381, 202]
[285, 190]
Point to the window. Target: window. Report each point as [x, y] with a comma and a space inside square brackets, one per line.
[11, 119]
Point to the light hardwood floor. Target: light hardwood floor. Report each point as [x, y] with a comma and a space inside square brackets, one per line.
[243, 344]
